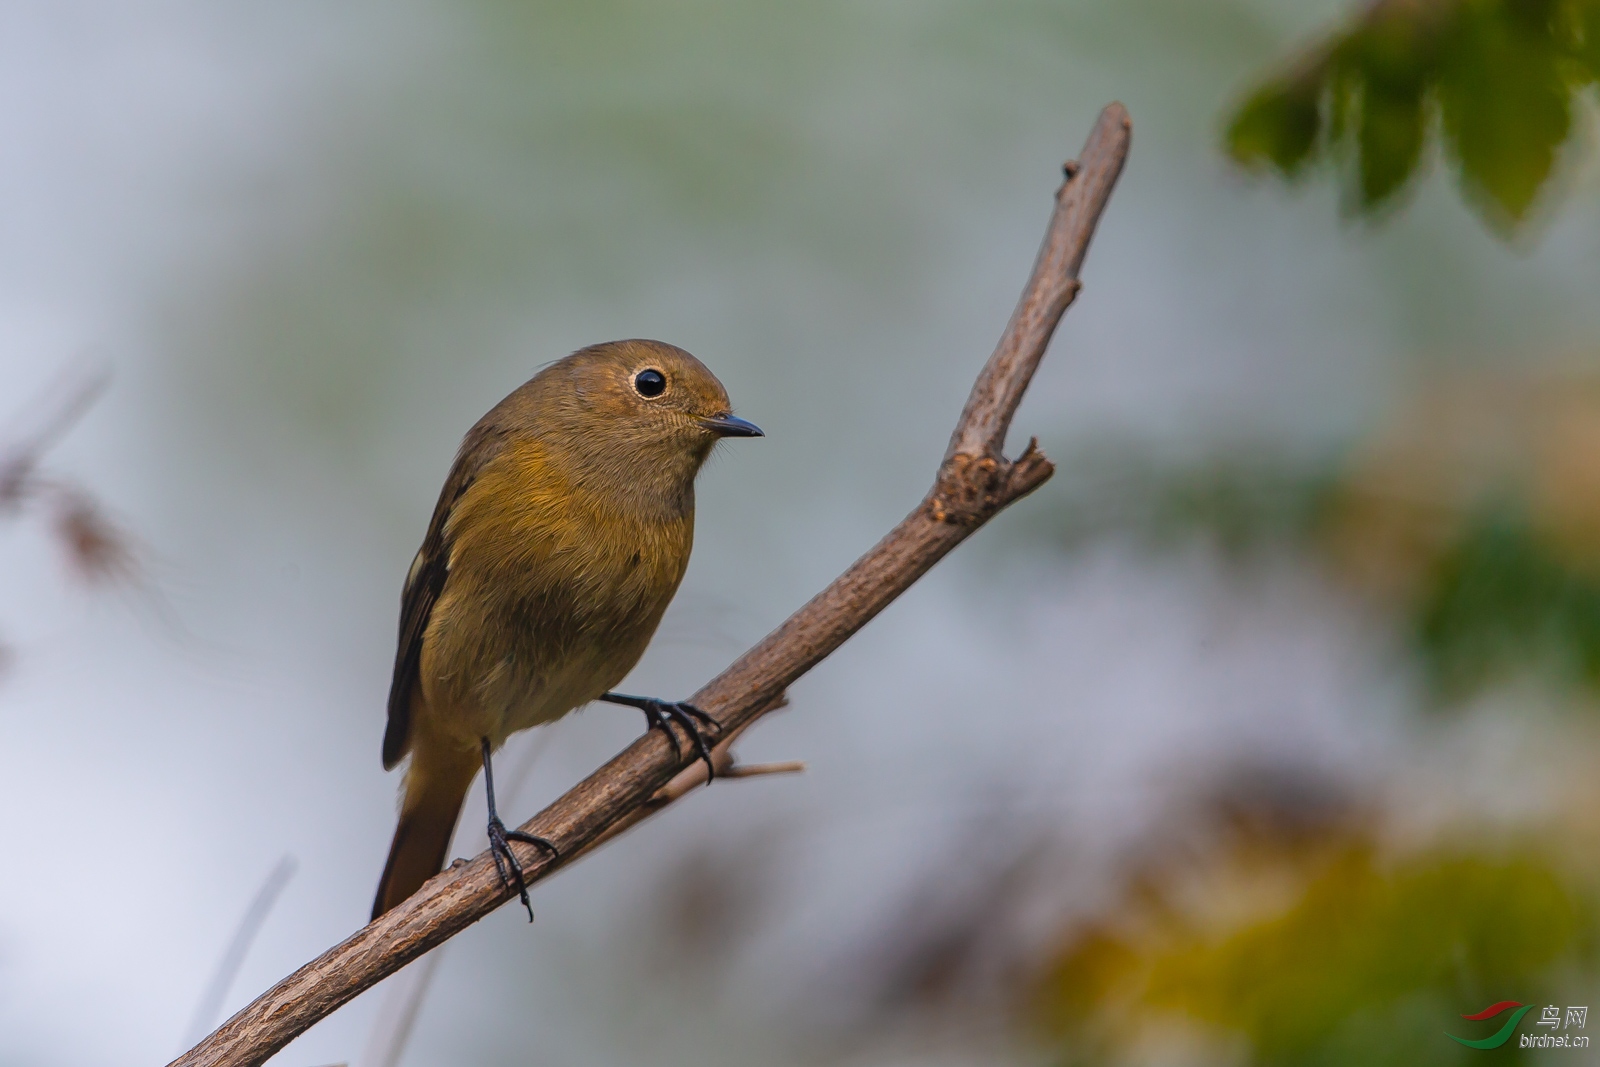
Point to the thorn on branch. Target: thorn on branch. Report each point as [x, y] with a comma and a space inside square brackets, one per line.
[1070, 169]
[756, 770]
[1030, 470]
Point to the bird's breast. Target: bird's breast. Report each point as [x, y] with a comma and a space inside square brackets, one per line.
[550, 601]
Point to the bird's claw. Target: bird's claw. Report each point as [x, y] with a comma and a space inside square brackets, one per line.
[505, 861]
[661, 714]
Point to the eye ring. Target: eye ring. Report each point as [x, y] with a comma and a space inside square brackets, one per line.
[650, 383]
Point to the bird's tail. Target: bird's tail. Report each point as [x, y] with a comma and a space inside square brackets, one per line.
[433, 799]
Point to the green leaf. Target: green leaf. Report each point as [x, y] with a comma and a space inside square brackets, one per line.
[1505, 106]
[1277, 126]
[1388, 65]
[1389, 137]
[1586, 20]
[1501, 74]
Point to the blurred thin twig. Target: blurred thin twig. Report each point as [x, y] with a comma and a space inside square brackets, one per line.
[96, 549]
[397, 1015]
[21, 460]
[244, 935]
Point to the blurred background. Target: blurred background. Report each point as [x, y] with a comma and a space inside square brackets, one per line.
[1265, 733]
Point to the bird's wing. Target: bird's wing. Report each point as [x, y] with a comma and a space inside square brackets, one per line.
[424, 582]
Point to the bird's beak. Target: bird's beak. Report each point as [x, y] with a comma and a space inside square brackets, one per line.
[731, 426]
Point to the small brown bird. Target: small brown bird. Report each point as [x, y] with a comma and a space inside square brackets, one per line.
[560, 536]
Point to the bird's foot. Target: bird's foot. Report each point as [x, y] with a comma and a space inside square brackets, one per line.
[505, 861]
[661, 714]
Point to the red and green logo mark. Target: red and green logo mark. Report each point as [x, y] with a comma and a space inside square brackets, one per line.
[1501, 1036]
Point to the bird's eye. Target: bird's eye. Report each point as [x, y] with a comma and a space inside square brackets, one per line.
[650, 382]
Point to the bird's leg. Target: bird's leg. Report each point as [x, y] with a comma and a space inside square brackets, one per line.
[504, 860]
[661, 714]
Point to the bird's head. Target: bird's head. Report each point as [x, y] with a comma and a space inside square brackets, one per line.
[644, 411]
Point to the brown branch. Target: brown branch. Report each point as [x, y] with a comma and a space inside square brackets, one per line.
[981, 432]
[974, 483]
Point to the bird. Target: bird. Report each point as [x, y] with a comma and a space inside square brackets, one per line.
[561, 534]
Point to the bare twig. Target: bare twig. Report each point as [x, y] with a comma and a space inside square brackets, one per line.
[981, 432]
[974, 483]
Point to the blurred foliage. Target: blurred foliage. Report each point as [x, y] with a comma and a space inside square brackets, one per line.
[1499, 600]
[1274, 915]
[1496, 79]
[1366, 960]
[1243, 499]
[1474, 518]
